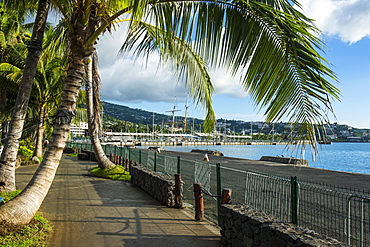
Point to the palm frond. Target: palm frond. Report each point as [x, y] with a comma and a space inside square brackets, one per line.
[187, 66]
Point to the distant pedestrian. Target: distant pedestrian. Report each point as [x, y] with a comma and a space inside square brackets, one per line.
[46, 143]
[206, 158]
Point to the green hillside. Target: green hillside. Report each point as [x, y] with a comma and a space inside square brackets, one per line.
[141, 121]
[138, 116]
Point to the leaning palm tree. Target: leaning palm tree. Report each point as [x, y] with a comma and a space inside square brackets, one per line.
[92, 85]
[269, 40]
[9, 153]
[47, 87]
[12, 36]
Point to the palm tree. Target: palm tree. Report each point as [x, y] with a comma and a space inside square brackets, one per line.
[13, 35]
[92, 85]
[9, 153]
[48, 83]
[269, 39]
[48, 86]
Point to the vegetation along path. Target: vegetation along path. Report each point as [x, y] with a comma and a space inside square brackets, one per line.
[91, 211]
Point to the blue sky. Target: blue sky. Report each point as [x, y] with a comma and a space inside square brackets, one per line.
[346, 32]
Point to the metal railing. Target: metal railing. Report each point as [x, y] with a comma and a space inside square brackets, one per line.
[340, 213]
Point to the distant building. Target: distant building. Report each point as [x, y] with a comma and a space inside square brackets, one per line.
[354, 139]
[79, 130]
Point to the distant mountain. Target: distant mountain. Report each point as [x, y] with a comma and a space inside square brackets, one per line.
[139, 116]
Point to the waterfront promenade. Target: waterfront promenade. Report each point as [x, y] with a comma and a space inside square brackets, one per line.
[90, 211]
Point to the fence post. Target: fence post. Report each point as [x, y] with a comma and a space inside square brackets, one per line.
[294, 199]
[105, 149]
[199, 201]
[219, 191]
[178, 194]
[226, 196]
[155, 162]
[140, 157]
[178, 165]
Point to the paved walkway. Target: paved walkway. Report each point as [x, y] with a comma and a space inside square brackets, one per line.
[90, 211]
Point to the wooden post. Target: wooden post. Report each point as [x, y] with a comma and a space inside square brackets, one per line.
[178, 194]
[226, 196]
[199, 201]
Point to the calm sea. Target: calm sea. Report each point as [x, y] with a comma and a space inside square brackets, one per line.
[346, 157]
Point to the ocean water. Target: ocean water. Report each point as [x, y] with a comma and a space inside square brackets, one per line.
[345, 157]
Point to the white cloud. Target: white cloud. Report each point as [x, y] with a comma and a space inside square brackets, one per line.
[347, 19]
[224, 83]
[125, 80]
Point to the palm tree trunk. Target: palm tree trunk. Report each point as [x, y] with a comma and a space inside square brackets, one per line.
[21, 209]
[93, 116]
[40, 133]
[9, 154]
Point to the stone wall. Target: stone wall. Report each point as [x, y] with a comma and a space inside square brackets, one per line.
[160, 186]
[243, 226]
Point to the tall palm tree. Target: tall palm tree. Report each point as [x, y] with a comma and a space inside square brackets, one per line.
[48, 84]
[12, 35]
[270, 39]
[92, 85]
[9, 153]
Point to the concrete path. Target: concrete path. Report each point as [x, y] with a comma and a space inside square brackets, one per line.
[90, 211]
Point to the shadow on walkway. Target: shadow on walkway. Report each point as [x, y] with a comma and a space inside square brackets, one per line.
[90, 211]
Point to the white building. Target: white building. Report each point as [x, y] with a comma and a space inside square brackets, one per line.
[79, 130]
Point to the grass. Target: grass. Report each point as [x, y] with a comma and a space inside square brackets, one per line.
[7, 196]
[115, 173]
[34, 233]
[73, 155]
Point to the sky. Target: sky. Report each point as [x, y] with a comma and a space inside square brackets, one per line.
[345, 30]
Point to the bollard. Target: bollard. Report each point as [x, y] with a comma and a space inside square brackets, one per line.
[294, 199]
[178, 192]
[226, 196]
[199, 201]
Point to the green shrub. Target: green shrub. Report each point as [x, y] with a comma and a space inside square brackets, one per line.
[25, 150]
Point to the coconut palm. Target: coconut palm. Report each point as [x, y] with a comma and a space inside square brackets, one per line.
[9, 153]
[47, 88]
[92, 85]
[270, 40]
[12, 36]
